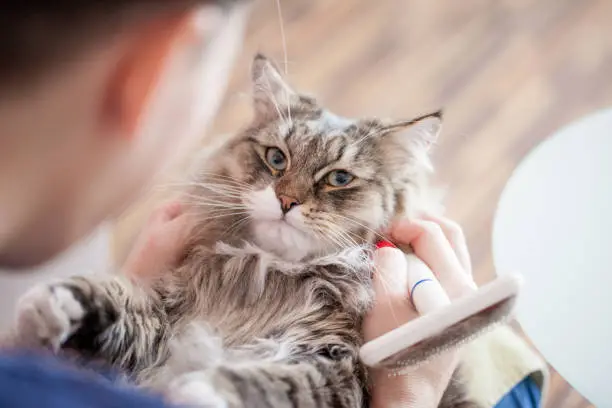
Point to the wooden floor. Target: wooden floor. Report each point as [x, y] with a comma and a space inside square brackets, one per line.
[508, 73]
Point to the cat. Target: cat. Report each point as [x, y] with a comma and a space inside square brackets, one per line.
[265, 308]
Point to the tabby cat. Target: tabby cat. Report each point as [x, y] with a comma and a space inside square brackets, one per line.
[266, 307]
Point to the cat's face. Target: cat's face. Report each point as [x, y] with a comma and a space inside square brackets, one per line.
[318, 182]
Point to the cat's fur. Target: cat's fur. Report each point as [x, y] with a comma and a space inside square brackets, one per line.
[266, 308]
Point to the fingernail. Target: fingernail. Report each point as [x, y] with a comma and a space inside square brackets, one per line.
[383, 244]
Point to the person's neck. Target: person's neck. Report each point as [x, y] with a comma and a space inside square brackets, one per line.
[33, 161]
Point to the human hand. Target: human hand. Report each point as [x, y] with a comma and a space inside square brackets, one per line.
[160, 244]
[440, 244]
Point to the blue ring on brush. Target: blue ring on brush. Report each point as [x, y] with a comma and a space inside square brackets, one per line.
[415, 286]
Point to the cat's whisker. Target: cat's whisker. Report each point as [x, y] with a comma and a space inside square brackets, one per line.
[215, 207]
[237, 224]
[329, 236]
[220, 181]
[354, 238]
[338, 240]
[224, 192]
[346, 237]
[218, 210]
[215, 196]
[341, 237]
[226, 180]
[355, 222]
[222, 185]
[285, 56]
[282, 34]
[226, 215]
[215, 211]
[334, 240]
[212, 203]
[211, 199]
[216, 190]
[289, 114]
[223, 176]
[209, 218]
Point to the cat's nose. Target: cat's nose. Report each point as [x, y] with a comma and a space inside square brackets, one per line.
[287, 202]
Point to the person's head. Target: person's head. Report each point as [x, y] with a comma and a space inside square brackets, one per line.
[95, 96]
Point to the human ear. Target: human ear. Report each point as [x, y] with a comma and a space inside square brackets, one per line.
[142, 59]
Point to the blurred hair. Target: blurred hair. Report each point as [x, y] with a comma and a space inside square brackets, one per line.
[38, 35]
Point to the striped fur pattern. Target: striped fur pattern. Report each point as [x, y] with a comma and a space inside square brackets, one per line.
[265, 309]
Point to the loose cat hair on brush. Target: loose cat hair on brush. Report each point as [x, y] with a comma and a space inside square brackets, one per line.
[265, 309]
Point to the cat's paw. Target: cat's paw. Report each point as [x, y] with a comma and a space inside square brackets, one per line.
[72, 312]
[47, 315]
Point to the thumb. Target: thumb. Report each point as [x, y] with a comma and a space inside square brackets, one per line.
[391, 305]
[391, 277]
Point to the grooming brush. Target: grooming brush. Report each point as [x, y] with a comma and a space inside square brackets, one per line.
[442, 325]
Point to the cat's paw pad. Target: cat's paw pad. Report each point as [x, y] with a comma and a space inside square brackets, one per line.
[195, 390]
[47, 315]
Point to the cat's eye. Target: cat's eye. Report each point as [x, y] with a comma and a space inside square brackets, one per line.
[276, 158]
[339, 178]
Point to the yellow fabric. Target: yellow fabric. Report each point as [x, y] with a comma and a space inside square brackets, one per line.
[497, 361]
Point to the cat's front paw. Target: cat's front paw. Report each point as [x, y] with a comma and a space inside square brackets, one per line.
[51, 315]
[47, 315]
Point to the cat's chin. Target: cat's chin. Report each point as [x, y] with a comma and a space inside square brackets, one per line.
[284, 240]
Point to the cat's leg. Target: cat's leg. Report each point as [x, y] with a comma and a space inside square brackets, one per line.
[100, 318]
[313, 383]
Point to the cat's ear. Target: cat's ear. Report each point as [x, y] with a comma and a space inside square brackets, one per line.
[272, 96]
[421, 132]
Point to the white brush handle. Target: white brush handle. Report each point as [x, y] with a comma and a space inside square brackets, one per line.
[393, 349]
[425, 290]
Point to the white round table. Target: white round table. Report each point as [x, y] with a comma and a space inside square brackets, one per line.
[554, 225]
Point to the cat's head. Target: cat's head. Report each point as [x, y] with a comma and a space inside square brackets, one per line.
[310, 182]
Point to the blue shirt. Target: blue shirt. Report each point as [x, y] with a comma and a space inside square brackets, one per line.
[35, 381]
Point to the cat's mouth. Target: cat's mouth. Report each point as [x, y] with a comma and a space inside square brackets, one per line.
[284, 226]
[289, 221]
[283, 238]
